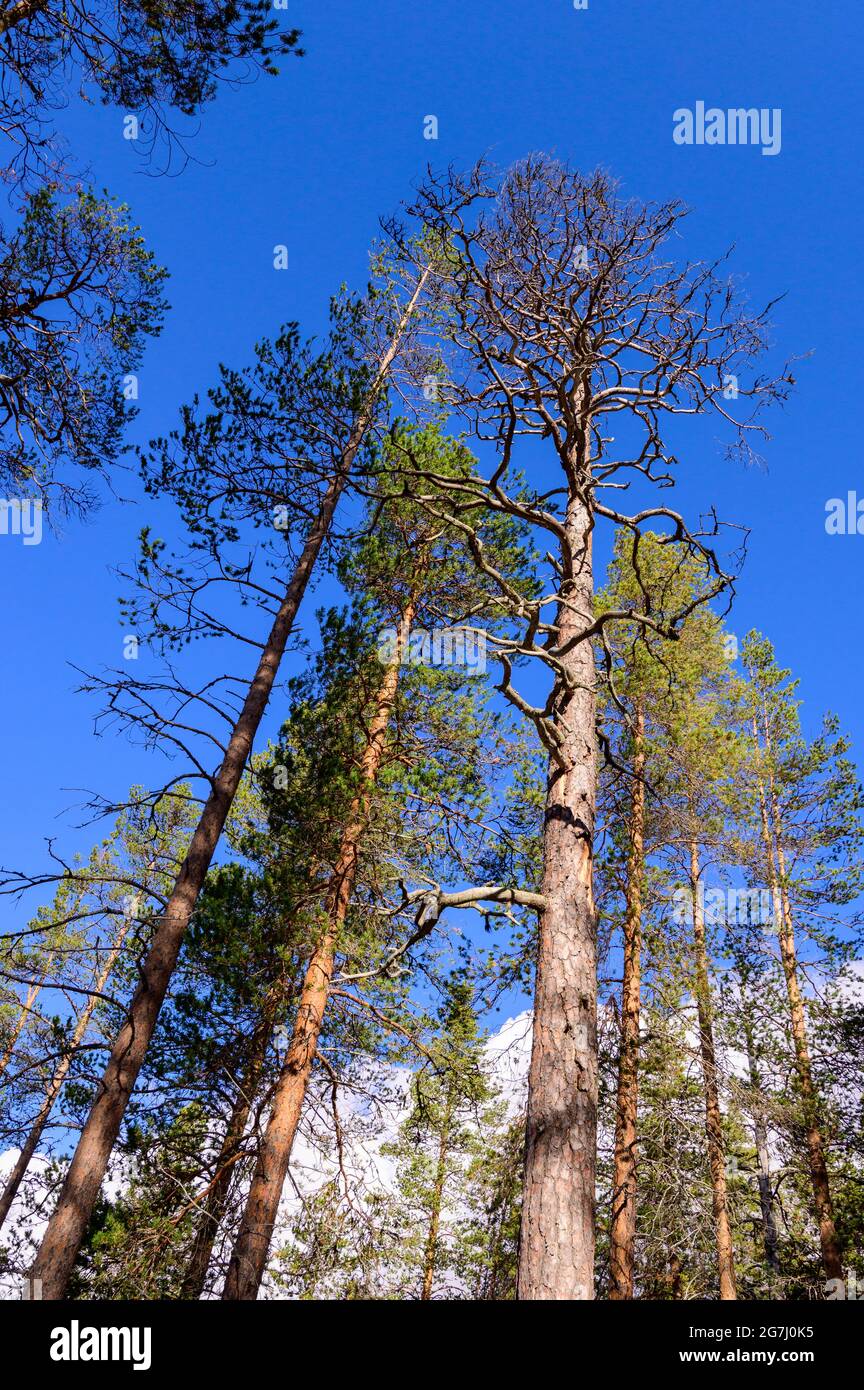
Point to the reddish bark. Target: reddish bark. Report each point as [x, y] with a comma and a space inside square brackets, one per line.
[66, 1228]
[556, 1255]
[252, 1246]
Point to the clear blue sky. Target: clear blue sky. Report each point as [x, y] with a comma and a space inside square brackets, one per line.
[311, 159]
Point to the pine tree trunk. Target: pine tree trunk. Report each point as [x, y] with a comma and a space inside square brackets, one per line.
[822, 1204]
[252, 1246]
[713, 1119]
[556, 1254]
[68, 1224]
[31, 1144]
[622, 1233]
[213, 1208]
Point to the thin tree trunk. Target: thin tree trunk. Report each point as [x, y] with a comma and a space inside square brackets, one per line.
[26, 1010]
[822, 1203]
[763, 1158]
[556, 1252]
[31, 1144]
[713, 1120]
[68, 1224]
[252, 1246]
[622, 1234]
[213, 1208]
[431, 1252]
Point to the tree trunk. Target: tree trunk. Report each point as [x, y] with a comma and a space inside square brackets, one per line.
[249, 1256]
[713, 1120]
[622, 1234]
[556, 1254]
[231, 1149]
[16, 1177]
[68, 1224]
[822, 1204]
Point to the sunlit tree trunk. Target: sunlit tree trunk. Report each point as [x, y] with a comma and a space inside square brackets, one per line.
[556, 1255]
[249, 1256]
[68, 1224]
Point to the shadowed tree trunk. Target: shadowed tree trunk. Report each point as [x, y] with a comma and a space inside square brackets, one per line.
[213, 1207]
[622, 1235]
[68, 1224]
[713, 1119]
[556, 1256]
[252, 1246]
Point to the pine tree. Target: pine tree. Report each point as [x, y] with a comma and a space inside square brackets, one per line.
[410, 568]
[355, 398]
[809, 806]
[626, 337]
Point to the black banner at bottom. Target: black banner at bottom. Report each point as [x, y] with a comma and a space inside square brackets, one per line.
[58, 1340]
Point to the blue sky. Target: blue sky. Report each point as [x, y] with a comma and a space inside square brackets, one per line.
[313, 158]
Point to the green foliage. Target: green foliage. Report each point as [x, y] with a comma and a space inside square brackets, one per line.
[81, 295]
[138, 1244]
